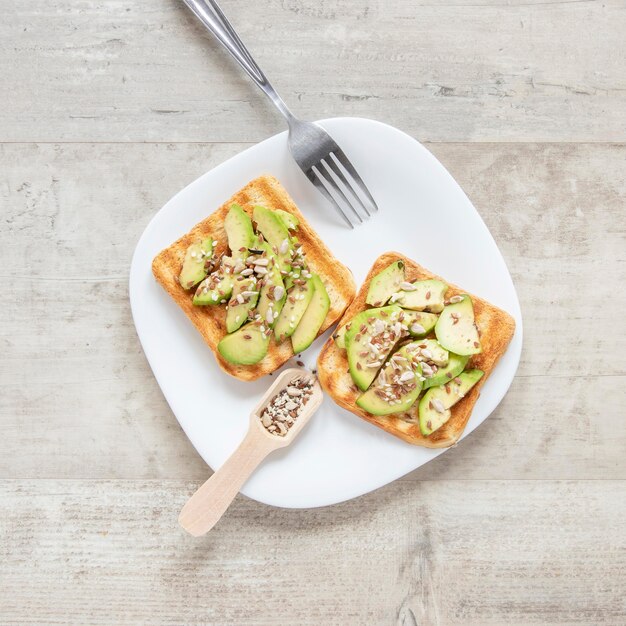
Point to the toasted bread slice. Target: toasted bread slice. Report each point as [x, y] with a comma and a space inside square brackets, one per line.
[496, 330]
[210, 320]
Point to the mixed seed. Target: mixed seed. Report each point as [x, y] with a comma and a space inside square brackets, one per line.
[254, 268]
[397, 380]
[383, 336]
[285, 407]
[400, 377]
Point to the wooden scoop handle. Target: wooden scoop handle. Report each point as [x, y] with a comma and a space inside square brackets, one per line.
[204, 509]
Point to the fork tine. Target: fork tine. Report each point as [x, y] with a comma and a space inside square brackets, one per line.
[333, 179]
[320, 183]
[335, 171]
[339, 156]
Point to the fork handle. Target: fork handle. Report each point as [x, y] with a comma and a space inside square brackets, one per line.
[214, 20]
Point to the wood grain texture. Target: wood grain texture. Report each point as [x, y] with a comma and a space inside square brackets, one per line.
[443, 70]
[79, 400]
[93, 466]
[469, 553]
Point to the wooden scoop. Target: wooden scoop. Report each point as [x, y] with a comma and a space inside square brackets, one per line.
[204, 509]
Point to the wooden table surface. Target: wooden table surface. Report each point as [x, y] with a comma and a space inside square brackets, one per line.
[110, 107]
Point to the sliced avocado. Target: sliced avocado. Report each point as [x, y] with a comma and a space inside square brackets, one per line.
[217, 287]
[385, 284]
[396, 388]
[290, 221]
[313, 317]
[239, 231]
[419, 324]
[426, 295]
[197, 263]
[434, 407]
[456, 364]
[456, 330]
[298, 298]
[430, 351]
[243, 300]
[372, 336]
[340, 336]
[275, 233]
[246, 346]
[273, 292]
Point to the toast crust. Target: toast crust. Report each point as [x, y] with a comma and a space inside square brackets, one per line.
[496, 329]
[211, 320]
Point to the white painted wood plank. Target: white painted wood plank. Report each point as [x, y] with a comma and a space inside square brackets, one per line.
[446, 552]
[113, 70]
[78, 399]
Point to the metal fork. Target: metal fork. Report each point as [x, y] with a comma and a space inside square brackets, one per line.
[313, 149]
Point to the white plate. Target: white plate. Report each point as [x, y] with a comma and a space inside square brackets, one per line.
[423, 214]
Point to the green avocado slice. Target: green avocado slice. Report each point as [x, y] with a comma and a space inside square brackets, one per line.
[298, 298]
[397, 386]
[243, 299]
[434, 407]
[276, 234]
[339, 336]
[217, 286]
[430, 351]
[372, 336]
[425, 295]
[456, 330]
[290, 221]
[419, 324]
[313, 317]
[273, 293]
[456, 364]
[246, 346]
[385, 284]
[239, 231]
[196, 263]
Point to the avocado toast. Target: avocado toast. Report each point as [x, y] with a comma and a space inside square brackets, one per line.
[415, 313]
[239, 279]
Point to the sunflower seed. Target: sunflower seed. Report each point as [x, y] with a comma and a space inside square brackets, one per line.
[417, 329]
